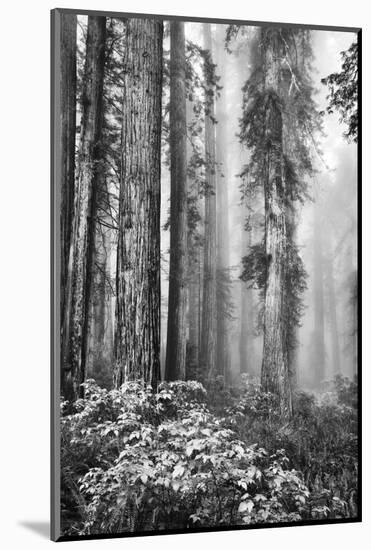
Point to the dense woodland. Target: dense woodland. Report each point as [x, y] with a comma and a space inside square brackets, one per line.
[208, 274]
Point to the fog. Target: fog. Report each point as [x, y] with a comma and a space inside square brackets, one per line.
[326, 224]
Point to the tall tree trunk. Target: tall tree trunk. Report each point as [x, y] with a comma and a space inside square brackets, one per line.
[275, 373]
[319, 322]
[208, 340]
[68, 139]
[331, 293]
[292, 328]
[137, 334]
[177, 326]
[248, 207]
[193, 317]
[246, 338]
[82, 245]
[100, 360]
[222, 182]
[354, 321]
[194, 267]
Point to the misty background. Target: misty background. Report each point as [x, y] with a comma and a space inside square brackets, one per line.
[328, 221]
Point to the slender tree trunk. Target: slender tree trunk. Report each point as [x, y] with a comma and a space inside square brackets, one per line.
[351, 309]
[76, 328]
[222, 182]
[137, 334]
[193, 317]
[331, 293]
[275, 373]
[177, 325]
[292, 328]
[319, 322]
[68, 124]
[246, 338]
[247, 357]
[194, 261]
[354, 333]
[243, 338]
[208, 341]
[101, 348]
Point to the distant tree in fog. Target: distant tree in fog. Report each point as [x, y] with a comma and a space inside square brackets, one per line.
[278, 122]
[208, 330]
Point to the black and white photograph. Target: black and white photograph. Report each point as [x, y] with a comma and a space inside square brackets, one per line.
[206, 203]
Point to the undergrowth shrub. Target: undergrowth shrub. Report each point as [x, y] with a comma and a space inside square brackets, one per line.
[320, 441]
[134, 459]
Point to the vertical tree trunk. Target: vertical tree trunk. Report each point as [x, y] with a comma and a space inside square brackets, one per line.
[100, 352]
[81, 250]
[194, 266]
[354, 322]
[137, 334]
[351, 315]
[275, 374]
[208, 340]
[331, 293]
[292, 328]
[222, 206]
[246, 342]
[246, 338]
[176, 326]
[319, 322]
[68, 125]
[193, 318]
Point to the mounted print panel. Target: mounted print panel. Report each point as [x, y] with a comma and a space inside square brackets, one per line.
[205, 212]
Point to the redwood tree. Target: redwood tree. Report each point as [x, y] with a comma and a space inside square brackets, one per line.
[68, 132]
[176, 325]
[208, 332]
[137, 327]
[318, 341]
[279, 124]
[76, 317]
[222, 236]
[275, 374]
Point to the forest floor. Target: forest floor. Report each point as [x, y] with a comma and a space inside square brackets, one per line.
[187, 457]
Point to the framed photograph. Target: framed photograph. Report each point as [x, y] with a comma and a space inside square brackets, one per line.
[205, 274]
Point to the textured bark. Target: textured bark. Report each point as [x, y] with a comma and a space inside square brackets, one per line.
[68, 138]
[222, 182]
[137, 332]
[193, 317]
[177, 326]
[275, 373]
[194, 281]
[319, 361]
[246, 340]
[82, 246]
[208, 337]
[292, 329]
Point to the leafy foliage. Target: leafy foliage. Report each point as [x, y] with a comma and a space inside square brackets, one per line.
[254, 272]
[320, 441]
[134, 459]
[293, 104]
[343, 88]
